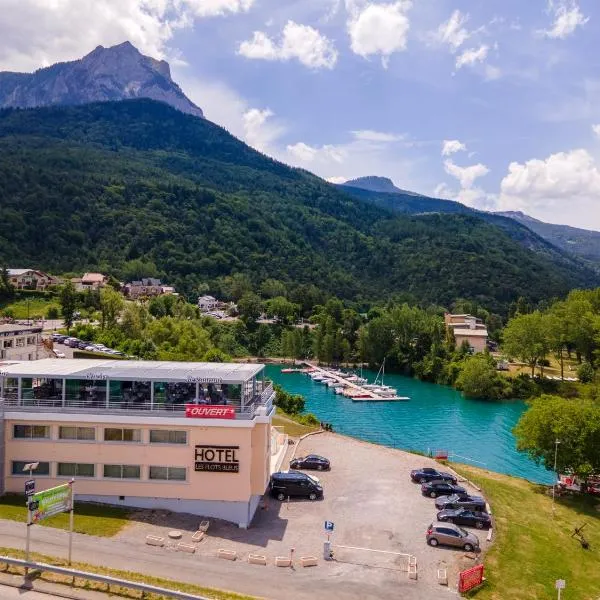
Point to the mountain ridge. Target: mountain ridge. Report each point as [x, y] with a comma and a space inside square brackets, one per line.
[581, 243]
[136, 180]
[105, 74]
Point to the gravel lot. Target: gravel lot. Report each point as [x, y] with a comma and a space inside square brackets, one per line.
[371, 500]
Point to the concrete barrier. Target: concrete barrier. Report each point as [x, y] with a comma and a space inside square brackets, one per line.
[412, 571]
[227, 554]
[489, 534]
[442, 576]
[189, 548]
[155, 540]
[257, 559]
[198, 536]
[308, 561]
[283, 561]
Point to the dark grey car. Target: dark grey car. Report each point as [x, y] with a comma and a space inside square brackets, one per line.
[448, 534]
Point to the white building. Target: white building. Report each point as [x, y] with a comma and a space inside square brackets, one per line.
[206, 303]
[20, 342]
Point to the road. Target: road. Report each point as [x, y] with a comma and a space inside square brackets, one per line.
[9, 593]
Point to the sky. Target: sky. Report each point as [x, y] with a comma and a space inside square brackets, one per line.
[495, 104]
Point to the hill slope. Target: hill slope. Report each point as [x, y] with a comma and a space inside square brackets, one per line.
[541, 238]
[115, 73]
[583, 242]
[96, 186]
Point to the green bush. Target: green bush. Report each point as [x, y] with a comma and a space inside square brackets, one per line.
[479, 379]
[585, 373]
[52, 313]
[292, 404]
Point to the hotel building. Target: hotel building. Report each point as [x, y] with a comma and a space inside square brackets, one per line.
[186, 437]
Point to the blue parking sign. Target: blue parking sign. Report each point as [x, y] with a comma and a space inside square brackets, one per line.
[329, 526]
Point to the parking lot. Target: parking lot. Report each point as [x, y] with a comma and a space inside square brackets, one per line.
[374, 506]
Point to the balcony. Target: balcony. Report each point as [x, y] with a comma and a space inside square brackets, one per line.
[260, 405]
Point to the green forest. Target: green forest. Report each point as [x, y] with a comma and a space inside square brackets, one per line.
[138, 188]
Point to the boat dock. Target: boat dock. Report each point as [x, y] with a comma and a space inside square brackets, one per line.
[362, 394]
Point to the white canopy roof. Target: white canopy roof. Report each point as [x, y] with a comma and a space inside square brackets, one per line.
[126, 370]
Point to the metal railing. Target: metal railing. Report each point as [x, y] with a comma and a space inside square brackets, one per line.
[132, 585]
[159, 409]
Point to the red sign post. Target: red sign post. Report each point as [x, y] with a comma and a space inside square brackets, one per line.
[209, 411]
[470, 578]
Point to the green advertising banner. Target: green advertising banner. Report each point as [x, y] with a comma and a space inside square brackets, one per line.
[48, 503]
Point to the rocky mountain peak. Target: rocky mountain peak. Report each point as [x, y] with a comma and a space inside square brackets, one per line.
[375, 183]
[115, 73]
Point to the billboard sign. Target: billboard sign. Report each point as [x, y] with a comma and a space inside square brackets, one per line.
[470, 578]
[209, 411]
[48, 503]
[217, 459]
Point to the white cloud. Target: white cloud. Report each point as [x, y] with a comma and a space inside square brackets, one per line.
[369, 135]
[471, 56]
[564, 187]
[452, 31]
[567, 17]
[38, 33]
[302, 42]
[379, 28]
[596, 129]
[259, 128]
[466, 175]
[337, 179]
[452, 146]
[492, 73]
[306, 154]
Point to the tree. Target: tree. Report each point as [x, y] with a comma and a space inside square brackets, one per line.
[271, 288]
[575, 424]
[282, 309]
[250, 307]
[292, 404]
[7, 290]
[478, 378]
[585, 373]
[111, 305]
[527, 337]
[68, 303]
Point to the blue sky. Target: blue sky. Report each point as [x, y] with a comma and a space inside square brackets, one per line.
[495, 103]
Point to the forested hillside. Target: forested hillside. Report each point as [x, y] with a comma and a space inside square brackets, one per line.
[101, 185]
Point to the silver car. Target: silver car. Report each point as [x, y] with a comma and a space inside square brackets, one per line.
[448, 534]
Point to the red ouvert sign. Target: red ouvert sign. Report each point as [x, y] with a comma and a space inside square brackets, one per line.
[470, 578]
[209, 411]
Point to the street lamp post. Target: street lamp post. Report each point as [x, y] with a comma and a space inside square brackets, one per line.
[556, 443]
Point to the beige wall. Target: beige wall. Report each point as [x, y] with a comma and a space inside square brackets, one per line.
[253, 456]
[478, 342]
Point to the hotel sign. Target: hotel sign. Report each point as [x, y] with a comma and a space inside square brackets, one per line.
[209, 411]
[217, 459]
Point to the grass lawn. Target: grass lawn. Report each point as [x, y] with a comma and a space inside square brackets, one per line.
[38, 307]
[114, 591]
[91, 519]
[532, 550]
[290, 427]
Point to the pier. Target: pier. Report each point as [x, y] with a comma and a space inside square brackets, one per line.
[365, 394]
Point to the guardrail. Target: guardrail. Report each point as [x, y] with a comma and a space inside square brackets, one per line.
[132, 585]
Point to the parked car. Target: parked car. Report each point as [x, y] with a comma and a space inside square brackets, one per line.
[285, 485]
[82, 345]
[71, 342]
[429, 474]
[448, 534]
[312, 461]
[58, 337]
[59, 354]
[433, 489]
[468, 518]
[461, 501]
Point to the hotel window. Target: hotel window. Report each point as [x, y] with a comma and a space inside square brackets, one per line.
[168, 473]
[165, 436]
[20, 342]
[31, 341]
[76, 470]
[76, 433]
[122, 435]
[18, 466]
[122, 471]
[8, 343]
[31, 432]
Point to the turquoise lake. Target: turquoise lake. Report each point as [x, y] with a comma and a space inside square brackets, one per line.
[435, 418]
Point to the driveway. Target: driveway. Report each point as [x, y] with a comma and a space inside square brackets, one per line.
[369, 497]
